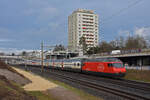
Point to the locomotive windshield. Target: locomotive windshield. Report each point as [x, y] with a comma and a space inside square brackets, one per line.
[118, 65]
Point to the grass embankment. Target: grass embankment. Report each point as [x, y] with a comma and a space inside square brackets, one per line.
[11, 91]
[140, 75]
[41, 95]
[81, 93]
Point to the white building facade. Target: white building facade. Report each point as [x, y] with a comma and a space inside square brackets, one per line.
[82, 23]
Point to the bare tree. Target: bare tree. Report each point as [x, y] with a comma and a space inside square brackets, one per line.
[59, 48]
[82, 42]
[13, 54]
[136, 42]
[121, 42]
[132, 42]
[113, 44]
[105, 47]
[24, 53]
[93, 50]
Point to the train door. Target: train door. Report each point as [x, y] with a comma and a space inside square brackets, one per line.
[62, 65]
[109, 67]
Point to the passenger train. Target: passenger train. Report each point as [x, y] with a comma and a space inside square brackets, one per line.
[111, 67]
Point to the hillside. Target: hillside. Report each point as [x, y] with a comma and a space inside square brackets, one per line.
[10, 82]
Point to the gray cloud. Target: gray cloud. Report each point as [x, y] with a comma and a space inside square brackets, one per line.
[5, 31]
[15, 50]
[6, 40]
[42, 10]
[143, 31]
[124, 33]
[30, 21]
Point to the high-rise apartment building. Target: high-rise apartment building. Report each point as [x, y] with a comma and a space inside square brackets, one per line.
[82, 23]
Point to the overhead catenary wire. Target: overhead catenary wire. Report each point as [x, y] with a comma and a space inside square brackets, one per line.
[132, 4]
[122, 10]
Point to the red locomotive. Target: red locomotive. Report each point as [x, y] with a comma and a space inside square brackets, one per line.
[111, 67]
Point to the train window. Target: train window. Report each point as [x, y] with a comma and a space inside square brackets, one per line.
[78, 64]
[74, 64]
[118, 65]
[110, 65]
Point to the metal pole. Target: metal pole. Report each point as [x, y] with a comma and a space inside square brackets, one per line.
[93, 50]
[66, 55]
[42, 66]
[26, 63]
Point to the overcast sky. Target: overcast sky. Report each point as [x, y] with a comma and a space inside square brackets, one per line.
[25, 23]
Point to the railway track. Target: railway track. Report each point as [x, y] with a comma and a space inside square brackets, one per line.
[89, 82]
[112, 90]
[126, 83]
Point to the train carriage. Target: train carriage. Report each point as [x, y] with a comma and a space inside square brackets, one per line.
[57, 64]
[72, 65]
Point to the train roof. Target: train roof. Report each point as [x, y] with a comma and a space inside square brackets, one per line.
[108, 59]
[87, 59]
[103, 59]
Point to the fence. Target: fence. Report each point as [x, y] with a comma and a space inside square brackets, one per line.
[139, 67]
